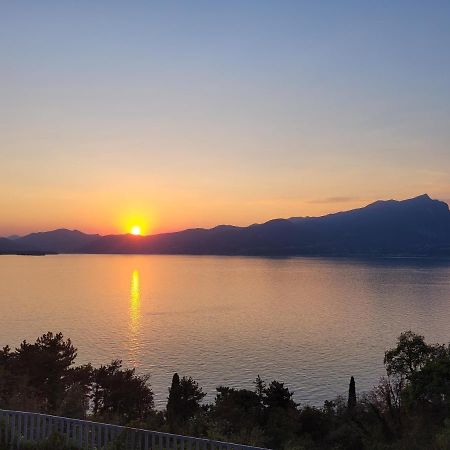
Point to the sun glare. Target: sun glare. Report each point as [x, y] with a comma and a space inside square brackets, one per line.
[136, 230]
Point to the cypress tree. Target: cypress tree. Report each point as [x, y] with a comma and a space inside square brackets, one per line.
[351, 395]
[173, 402]
[184, 400]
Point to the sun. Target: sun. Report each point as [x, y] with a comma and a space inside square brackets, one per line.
[136, 230]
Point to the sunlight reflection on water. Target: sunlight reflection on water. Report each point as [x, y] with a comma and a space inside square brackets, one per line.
[135, 317]
[223, 320]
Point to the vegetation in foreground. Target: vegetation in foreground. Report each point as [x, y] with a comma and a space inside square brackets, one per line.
[409, 409]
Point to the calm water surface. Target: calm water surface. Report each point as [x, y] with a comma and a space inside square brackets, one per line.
[223, 320]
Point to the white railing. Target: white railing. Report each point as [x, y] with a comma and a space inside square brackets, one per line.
[17, 427]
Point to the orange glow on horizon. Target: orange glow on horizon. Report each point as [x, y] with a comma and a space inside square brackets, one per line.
[137, 220]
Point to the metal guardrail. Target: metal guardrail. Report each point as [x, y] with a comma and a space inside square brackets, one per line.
[18, 427]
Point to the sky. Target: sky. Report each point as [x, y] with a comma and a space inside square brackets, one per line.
[179, 114]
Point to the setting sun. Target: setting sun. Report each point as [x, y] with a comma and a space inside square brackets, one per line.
[136, 230]
[136, 221]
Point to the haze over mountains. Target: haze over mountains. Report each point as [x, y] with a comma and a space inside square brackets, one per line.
[415, 227]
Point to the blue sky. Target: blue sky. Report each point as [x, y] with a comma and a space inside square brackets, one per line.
[179, 114]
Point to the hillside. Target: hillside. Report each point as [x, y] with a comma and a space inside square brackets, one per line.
[414, 227]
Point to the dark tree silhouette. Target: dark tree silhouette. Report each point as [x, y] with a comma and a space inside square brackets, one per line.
[173, 401]
[410, 408]
[278, 396]
[120, 394]
[184, 400]
[45, 364]
[351, 403]
[260, 388]
[410, 354]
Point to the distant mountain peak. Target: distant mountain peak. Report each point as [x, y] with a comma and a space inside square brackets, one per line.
[416, 226]
[59, 240]
[425, 199]
[420, 200]
[424, 196]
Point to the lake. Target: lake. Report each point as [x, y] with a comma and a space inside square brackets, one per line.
[309, 322]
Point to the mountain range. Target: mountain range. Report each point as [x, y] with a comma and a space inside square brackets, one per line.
[418, 226]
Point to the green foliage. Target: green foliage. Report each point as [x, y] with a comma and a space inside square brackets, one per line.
[37, 372]
[430, 387]
[183, 402]
[410, 354]
[442, 441]
[120, 394]
[276, 395]
[42, 377]
[408, 409]
[53, 442]
[237, 413]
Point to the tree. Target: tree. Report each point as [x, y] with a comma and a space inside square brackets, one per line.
[410, 354]
[260, 388]
[278, 396]
[237, 412]
[184, 400]
[282, 421]
[431, 385]
[173, 402]
[45, 365]
[76, 400]
[7, 381]
[120, 394]
[351, 404]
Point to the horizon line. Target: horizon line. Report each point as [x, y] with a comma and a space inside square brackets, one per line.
[62, 228]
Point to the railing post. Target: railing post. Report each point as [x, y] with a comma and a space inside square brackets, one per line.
[32, 426]
[99, 437]
[13, 427]
[25, 427]
[2, 426]
[80, 435]
[19, 430]
[146, 441]
[86, 435]
[67, 431]
[6, 422]
[44, 425]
